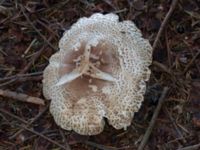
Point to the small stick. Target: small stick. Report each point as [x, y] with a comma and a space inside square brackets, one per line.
[48, 28]
[161, 66]
[20, 79]
[180, 135]
[21, 75]
[34, 78]
[110, 4]
[153, 119]
[56, 6]
[172, 7]
[14, 116]
[98, 146]
[191, 62]
[40, 34]
[29, 47]
[192, 147]
[22, 97]
[43, 136]
[64, 139]
[8, 82]
[168, 49]
[120, 11]
[35, 57]
[29, 123]
[37, 133]
[26, 68]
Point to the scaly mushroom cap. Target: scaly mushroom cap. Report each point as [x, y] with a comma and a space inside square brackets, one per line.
[99, 72]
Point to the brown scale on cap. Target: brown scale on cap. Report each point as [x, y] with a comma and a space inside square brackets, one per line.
[99, 72]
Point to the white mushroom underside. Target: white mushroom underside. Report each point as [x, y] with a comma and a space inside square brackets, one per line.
[100, 71]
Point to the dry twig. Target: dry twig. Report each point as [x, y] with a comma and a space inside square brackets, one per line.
[64, 139]
[35, 57]
[161, 66]
[34, 78]
[153, 120]
[191, 62]
[180, 135]
[8, 82]
[20, 76]
[98, 146]
[29, 47]
[173, 6]
[40, 34]
[26, 68]
[48, 28]
[192, 147]
[30, 130]
[35, 132]
[43, 136]
[168, 49]
[22, 97]
[14, 116]
[31, 122]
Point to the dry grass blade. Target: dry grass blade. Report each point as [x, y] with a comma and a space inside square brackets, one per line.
[153, 120]
[22, 97]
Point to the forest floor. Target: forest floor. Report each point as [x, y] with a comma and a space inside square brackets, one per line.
[29, 35]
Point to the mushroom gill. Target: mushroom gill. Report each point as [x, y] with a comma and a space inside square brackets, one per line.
[99, 72]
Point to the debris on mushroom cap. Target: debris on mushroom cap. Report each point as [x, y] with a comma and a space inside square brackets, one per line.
[99, 72]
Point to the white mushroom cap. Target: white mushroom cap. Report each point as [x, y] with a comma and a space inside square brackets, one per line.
[99, 72]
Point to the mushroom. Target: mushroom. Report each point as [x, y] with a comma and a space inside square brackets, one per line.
[99, 72]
